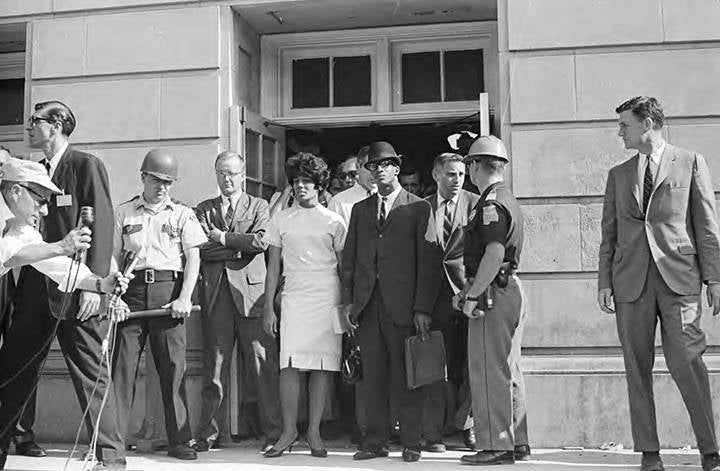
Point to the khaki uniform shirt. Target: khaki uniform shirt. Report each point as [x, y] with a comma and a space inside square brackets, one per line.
[164, 235]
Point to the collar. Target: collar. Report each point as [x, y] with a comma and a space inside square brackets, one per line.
[232, 200]
[55, 159]
[140, 202]
[655, 156]
[441, 200]
[392, 196]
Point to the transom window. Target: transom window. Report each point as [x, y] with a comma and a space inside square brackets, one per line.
[328, 82]
[441, 76]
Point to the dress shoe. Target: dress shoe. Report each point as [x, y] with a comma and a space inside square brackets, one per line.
[182, 452]
[201, 445]
[368, 453]
[274, 452]
[267, 444]
[435, 446]
[482, 458]
[711, 462]
[522, 452]
[411, 454]
[29, 449]
[469, 438]
[117, 466]
[651, 462]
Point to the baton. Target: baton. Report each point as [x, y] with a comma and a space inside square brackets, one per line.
[155, 313]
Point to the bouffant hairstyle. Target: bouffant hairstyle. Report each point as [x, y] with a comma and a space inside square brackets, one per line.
[309, 166]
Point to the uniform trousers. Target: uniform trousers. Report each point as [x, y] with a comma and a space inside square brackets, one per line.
[496, 382]
[25, 348]
[445, 398]
[257, 357]
[683, 343]
[167, 341]
[382, 344]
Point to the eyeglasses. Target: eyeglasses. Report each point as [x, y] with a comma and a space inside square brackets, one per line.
[225, 174]
[36, 119]
[349, 174]
[39, 199]
[372, 166]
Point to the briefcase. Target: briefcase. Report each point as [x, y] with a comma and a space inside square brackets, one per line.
[425, 360]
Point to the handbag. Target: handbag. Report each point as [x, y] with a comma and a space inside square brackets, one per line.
[351, 368]
[425, 360]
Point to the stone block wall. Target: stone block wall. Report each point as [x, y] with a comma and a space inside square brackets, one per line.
[565, 66]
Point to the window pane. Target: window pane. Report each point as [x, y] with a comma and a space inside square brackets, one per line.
[12, 92]
[421, 77]
[252, 155]
[311, 83]
[267, 191]
[351, 81]
[268, 159]
[463, 75]
[252, 188]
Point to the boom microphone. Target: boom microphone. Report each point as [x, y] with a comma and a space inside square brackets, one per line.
[87, 217]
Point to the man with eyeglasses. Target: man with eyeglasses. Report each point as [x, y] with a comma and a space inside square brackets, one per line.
[362, 187]
[26, 189]
[347, 172]
[232, 292]
[390, 281]
[83, 181]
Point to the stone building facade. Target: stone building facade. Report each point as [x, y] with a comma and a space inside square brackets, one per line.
[207, 75]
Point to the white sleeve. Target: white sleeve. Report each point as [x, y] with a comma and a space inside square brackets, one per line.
[58, 269]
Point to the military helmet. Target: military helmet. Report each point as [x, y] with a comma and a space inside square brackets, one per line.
[487, 146]
[160, 163]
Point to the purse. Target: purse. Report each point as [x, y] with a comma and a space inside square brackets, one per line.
[351, 368]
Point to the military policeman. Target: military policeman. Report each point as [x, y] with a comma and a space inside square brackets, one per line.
[492, 300]
[166, 235]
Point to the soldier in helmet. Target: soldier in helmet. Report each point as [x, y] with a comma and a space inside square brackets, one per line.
[492, 300]
[166, 235]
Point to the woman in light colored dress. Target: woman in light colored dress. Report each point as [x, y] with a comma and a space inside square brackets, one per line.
[308, 239]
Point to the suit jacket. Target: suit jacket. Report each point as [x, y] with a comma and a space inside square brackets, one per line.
[679, 232]
[83, 176]
[241, 258]
[402, 256]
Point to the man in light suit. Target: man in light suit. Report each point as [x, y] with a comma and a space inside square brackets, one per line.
[233, 282]
[389, 277]
[451, 209]
[659, 245]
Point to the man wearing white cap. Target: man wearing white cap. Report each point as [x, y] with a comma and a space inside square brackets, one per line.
[26, 188]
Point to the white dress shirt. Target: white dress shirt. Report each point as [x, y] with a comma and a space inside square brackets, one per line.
[440, 216]
[343, 202]
[654, 159]
[55, 159]
[389, 201]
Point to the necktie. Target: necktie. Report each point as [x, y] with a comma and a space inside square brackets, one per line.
[647, 185]
[46, 164]
[447, 221]
[229, 214]
[383, 214]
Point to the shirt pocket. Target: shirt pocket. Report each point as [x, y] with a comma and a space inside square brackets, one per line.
[687, 249]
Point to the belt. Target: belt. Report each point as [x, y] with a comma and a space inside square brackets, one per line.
[149, 275]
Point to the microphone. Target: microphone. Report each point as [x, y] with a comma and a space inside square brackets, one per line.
[130, 262]
[87, 217]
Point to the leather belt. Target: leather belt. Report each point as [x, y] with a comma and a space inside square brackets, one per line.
[149, 276]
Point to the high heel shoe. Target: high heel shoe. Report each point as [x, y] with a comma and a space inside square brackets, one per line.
[274, 452]
[317, 452]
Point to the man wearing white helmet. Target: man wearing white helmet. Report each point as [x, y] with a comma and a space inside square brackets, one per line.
[492, 300]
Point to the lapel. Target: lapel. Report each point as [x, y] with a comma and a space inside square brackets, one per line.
[219, 216]
[58, 177]
[460, 212]
[667, 161]
[402, 199]
[243, 203]
[630, 173]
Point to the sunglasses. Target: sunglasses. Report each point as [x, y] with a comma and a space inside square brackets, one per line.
[349, 174]
[372, 166]
[39, 199]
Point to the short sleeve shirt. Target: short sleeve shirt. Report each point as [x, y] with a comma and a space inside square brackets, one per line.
[160, 236]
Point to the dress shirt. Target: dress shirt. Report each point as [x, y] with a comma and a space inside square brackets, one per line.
[389, 201]
[55, 159]
[654, 158]
[343, 202]
[225, 203]
[440, 216]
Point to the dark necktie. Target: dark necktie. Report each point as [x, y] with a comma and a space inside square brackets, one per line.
[383, 214]
[229, 214]
[46, 164]
[647, 185]
[447, 221]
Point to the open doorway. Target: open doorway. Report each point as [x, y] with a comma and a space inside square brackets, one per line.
[419, 144]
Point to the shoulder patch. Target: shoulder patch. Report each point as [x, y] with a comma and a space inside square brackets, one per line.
[490, 215]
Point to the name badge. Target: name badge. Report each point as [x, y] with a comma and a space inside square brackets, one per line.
[63, 200]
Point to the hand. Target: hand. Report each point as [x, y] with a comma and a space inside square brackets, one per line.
[76, 240]
[351, 319]
[179, 308]
[107, 284]
[270, 322]
[118, 310]
[713, 297]
[471, 310]
[457, 301]
[605, 300]
[422, 325]
[89, 305]
[215, 234]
